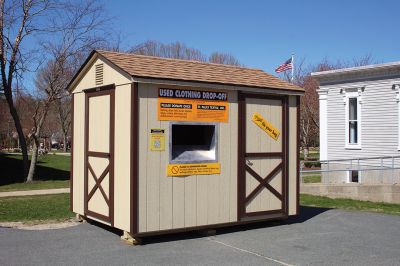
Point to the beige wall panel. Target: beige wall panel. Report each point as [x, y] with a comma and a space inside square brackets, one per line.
[201, 200]
[99, 123]
[233, 124]
[177, 202]
[259, 141]
[98, 164]
[214, 195]
[98, 204]
[178, 199]
[292, 155]
[225, 177]
[166, 186]
[122, 157]
[190, 200]
[253, 140]
[270, 110]
[112, 75]
[78, 156]
[143, 160]
[91, 182]
[153, 166]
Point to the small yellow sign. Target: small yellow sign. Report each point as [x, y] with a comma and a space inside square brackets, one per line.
[266, 126]
[193, 169]
[157, 139]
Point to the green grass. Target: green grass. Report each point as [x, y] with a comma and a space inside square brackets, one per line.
[35, 185]
[35, 208]
[312, 155]
[348, 204]
[49, 168]
[312, 179]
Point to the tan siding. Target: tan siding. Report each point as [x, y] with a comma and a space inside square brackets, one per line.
[111, 75]
[153, 171]
[99, 137]
[122, 157]
[78, 156]
[176, 202]
[166, 188]
[259, 141]
[143, 142]
[233, 166]
[292, 155]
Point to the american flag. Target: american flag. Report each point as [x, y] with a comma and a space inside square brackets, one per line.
[285, 66]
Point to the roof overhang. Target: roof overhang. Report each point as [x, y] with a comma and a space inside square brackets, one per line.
[354, 74]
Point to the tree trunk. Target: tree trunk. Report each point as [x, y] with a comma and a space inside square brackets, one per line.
[65, 142]
[21, 137]
[34, 158]
[306, 153]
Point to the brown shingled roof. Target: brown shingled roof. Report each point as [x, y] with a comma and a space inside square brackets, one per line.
[186, 70]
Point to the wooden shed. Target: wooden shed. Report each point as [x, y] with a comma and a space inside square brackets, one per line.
[165, 145]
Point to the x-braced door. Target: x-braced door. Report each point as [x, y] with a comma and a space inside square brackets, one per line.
[262, 167]
[99, 154]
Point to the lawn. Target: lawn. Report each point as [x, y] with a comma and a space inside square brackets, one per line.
[35, 208]
[52, 172]
[348, 204]
[312, 155]
[312, 179]
[56, 207]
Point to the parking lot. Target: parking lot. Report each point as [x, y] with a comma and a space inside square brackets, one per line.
[317, 237]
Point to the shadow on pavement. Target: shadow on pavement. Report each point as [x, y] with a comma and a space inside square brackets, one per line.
[306, 213]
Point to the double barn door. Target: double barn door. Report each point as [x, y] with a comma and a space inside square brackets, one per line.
[262, 172]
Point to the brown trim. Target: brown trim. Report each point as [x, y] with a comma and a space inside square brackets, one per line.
[71, 173]
[263, 154]
[85, 159]
[298, 155]
[241, 189]
[98, 216]
[112, 153]
[100, 91]
[98, 154]
[98, 183]
[262, 213]
[134, 165]
[242, 167]
[285, 149]
[273, 215]
[264, 182]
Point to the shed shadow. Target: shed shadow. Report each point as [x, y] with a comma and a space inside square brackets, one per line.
[306, 213]
[11, 171]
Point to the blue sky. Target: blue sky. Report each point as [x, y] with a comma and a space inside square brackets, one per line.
[263, 34]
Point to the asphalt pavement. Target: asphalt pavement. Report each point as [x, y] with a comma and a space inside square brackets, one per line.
[317, 237]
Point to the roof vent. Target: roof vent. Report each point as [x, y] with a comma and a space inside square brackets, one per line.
[99, 74]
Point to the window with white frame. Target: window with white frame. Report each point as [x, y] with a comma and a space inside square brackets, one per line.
[353, 120]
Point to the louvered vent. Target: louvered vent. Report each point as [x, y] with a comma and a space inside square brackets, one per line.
[99, 74]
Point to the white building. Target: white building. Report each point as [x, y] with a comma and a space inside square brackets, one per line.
[359, 117]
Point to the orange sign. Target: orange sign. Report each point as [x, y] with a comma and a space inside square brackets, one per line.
[193, 169]
[192, 105]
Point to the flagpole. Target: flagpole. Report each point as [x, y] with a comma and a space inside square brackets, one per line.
[292, 67]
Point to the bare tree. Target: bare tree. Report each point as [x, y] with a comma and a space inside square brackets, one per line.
[179, 50]
[80, 28]
[64, 117]
[18, 19]
[49, 83]
[223, 58]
